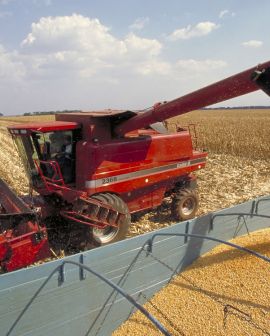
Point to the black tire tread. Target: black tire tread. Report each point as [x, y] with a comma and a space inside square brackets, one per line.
[119, 205]
[179, 197]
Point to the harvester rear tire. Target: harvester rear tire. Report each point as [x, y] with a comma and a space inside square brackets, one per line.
[112, 234]
[185, 204]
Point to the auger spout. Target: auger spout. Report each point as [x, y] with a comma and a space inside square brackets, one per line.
[237, 85]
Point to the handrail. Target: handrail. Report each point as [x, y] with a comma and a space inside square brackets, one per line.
[241, 248]
[56, 180]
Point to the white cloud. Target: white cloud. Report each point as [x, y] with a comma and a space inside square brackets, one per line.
[135, 44]
[223, 13]
[77, 62]
[10, 67]
[86, 46]
[77, 46]
[139, 23]
[200, 29]
[252, 44]
[154, 67]
[199, 66]
[226, 13]
[74, 32]
[190, 67]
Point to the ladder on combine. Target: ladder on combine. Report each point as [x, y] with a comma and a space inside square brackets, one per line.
[94, 213]
[85, 210]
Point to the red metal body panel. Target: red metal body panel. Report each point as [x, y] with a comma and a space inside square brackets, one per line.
[22, 241]
[92, 127]
[43, 127]
[23, 250]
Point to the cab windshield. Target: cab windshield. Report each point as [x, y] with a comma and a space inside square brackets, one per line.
[28, 154]
[56, 146]
[47, 150]
[53, 144]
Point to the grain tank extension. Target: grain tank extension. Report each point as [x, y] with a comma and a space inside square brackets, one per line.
[92, 170]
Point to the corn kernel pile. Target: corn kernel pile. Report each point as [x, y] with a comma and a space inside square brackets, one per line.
[225, 292]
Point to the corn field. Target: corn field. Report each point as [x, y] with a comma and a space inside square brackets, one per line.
[236, 132]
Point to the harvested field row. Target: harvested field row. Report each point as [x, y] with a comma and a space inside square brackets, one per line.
[225, 292]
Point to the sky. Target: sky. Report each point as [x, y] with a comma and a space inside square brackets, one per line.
[125, 54]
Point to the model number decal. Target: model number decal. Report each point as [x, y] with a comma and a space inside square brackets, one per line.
[183, 164]
[109, 180]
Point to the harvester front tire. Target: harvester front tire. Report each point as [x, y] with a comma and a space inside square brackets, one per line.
[112, 234]
[185, 204]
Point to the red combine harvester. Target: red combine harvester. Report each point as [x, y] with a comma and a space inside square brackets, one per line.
[91, 170]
